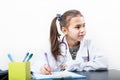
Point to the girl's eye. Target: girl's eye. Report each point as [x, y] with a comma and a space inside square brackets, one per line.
[79, 26]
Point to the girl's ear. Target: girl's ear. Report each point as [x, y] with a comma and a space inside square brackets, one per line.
[64, 30]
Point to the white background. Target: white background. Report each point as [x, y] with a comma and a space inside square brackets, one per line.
[24, 26]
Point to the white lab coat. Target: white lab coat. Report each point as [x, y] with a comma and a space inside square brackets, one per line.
[97, 60]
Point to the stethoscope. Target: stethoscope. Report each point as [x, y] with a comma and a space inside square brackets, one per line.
[61, 44]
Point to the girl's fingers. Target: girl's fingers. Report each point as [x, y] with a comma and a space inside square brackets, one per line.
[63, 66]
[46, 70]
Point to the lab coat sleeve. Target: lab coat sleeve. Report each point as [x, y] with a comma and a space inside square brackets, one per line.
[73, 65]
[98, 60]
[39, 61]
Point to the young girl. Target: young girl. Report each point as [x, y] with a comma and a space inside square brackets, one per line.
[72, 51]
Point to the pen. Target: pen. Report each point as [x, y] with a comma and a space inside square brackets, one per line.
[10, 58]
[30, 56]
[46, 56]
[25, 57]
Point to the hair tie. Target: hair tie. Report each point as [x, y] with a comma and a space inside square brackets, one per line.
[59, 17]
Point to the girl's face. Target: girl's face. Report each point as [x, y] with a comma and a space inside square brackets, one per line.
[76, 29]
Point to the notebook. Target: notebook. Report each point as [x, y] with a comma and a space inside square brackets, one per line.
[57, 75]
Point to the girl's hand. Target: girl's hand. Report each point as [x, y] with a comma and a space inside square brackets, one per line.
[46, 70]
[63, 66]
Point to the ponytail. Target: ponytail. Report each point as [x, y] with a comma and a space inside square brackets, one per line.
[54, 36]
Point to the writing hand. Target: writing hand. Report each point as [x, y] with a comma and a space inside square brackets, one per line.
[46, 70]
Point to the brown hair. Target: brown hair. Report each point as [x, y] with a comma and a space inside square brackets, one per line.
[54, 35]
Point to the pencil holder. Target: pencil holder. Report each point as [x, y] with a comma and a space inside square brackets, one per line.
[19, 71]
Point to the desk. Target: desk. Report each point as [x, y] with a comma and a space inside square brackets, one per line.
[101, 75]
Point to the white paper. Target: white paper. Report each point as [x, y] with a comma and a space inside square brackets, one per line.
[62, 74]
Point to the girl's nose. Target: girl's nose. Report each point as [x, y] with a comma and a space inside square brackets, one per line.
[82, 29]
